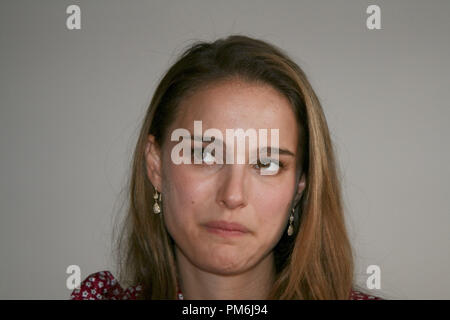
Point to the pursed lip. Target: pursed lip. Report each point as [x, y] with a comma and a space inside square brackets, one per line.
[227, 226]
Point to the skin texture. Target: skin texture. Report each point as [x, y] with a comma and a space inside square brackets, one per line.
[210, 265]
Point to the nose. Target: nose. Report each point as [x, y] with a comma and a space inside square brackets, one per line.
[233, 191]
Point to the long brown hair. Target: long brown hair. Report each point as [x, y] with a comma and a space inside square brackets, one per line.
[315, 263]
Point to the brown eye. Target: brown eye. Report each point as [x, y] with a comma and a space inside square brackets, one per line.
[263, 164]
[268, 166]
[206, 157]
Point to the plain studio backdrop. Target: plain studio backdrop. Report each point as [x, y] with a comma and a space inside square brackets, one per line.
[71, 102]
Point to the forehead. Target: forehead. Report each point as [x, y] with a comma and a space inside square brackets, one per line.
[235, 104]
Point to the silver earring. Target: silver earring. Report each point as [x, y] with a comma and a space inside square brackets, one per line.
[290, 230]
[156, 205]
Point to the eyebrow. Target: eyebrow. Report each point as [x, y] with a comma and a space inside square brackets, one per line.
[280, 151]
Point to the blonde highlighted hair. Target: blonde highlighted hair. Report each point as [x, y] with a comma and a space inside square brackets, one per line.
[316, 262]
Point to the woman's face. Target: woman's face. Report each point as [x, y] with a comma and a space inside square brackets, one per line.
[195, 196]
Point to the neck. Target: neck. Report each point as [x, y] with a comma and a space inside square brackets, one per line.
[253, 284]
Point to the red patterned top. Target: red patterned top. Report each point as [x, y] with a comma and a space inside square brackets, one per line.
[103, 286]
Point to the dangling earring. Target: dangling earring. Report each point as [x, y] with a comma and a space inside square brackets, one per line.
[290, 230]
[156, 206]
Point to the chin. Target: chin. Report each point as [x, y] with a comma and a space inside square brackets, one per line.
[225, 271]
[225, 265]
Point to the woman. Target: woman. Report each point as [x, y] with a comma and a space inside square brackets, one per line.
[266, 229]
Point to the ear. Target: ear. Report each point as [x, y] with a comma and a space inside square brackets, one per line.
[153, 162]
[300, 188]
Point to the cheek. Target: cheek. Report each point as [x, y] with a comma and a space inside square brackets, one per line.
[185, 194]
[272, 208]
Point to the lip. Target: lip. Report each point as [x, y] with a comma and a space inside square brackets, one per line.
[225, 228]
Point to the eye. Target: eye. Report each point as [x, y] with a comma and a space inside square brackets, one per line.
[268, 166]
[207, 157]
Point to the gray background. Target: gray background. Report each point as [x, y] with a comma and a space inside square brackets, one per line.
[71, 104]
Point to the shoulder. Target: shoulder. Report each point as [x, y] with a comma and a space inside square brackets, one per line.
[103, 286]
[358, 295]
